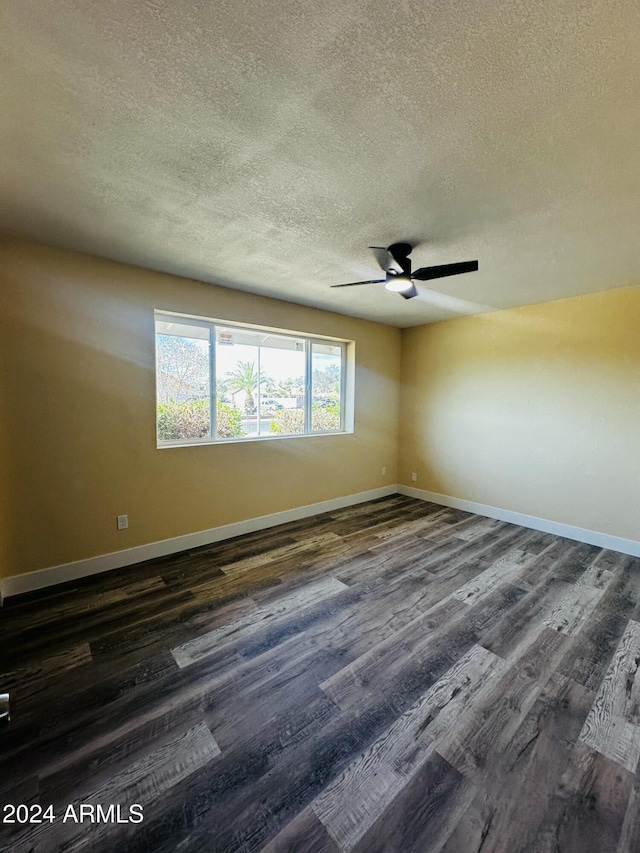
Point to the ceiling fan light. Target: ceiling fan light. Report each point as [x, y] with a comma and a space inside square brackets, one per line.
[398, 283]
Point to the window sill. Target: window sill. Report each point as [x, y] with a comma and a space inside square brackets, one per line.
[200, 442]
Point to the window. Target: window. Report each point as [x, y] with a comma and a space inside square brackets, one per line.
[221, 382]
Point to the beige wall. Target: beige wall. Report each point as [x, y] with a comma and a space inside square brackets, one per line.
[535, 410]
[77, 441]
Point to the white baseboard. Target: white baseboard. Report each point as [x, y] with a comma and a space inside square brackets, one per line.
[580, 534]
[43, 578]
[54, 575]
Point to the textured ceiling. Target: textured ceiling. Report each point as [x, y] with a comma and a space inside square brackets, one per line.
[264, 145]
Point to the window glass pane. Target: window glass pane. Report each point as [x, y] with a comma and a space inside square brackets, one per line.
[260, 383]
[282, 370]
[237, 379]
[183, 381]
[326, 384]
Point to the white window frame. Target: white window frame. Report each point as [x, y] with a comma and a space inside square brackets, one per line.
[347, 376]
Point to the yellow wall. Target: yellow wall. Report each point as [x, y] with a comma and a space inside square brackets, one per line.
[5, 496]
[77, 441]
[535, 410]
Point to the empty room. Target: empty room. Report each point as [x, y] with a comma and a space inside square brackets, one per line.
[319, 399]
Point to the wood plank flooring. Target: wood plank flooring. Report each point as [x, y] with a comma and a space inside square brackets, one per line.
[395, 676]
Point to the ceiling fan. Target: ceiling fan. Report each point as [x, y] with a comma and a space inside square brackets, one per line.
[399, 277]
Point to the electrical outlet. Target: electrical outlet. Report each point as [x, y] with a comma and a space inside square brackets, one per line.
[123, 522]
[384, 470]
[414, 477]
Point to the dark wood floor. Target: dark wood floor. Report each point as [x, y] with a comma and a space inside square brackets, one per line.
[396, 676]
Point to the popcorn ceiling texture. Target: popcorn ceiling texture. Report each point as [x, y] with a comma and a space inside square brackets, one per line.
[264, 145]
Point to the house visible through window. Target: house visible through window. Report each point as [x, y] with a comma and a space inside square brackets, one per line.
[218, 382]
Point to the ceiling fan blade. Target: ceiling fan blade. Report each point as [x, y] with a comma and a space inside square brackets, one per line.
[409, 294]
[388, 260]
[400, 250]
[400, 253]
[428, 273]
[352, 283]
